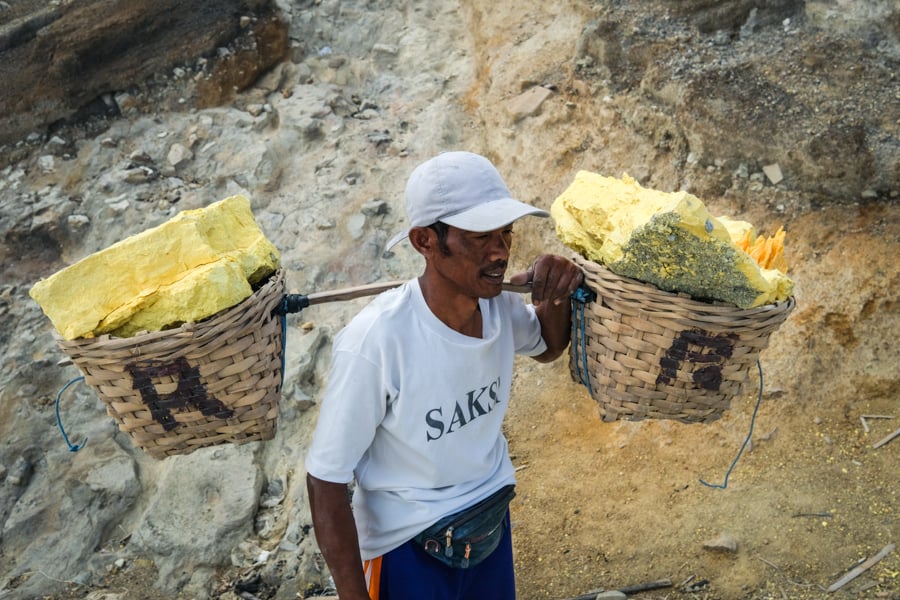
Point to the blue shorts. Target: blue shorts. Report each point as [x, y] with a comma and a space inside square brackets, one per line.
[408, 573]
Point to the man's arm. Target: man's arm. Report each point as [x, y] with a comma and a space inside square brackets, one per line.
[556, 329]
[553, 279]
[335, 531]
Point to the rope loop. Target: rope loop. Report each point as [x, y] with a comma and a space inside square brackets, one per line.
[72, 448]
[724, 484]
[580, 298]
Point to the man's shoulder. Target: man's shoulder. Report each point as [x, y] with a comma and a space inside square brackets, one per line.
[386, 305]
[384, 315]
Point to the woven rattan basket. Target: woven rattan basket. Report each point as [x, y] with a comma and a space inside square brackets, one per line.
[646, 353]
[205, 383]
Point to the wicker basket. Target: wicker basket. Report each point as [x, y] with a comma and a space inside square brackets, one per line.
[204, 383]
[646, 353]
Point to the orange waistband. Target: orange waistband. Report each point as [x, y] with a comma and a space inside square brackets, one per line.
[372, 569]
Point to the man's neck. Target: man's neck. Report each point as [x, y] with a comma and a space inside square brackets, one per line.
[456, 310]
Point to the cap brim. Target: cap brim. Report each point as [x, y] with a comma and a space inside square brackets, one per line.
[493, 215]
[483, 217]
[396, 239]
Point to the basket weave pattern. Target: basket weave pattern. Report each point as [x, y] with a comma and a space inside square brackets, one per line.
[205, 383]
[647, 353]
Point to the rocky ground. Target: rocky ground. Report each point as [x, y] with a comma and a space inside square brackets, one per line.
[708, 97]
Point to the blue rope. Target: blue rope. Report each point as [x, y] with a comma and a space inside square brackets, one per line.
[580, 297]
[283, 345]
[290, 303]
[72, 448]
[749, 434]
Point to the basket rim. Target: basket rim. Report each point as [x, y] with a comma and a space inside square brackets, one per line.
[646, 293]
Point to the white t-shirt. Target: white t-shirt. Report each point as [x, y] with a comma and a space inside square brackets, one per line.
[413, 410]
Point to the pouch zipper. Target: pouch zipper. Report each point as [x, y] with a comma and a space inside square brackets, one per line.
[448, 534]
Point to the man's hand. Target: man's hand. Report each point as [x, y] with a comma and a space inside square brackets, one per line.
[553, 279]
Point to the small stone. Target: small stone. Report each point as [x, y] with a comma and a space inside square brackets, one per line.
[355, 225]
[119, 207]
[380, 137]
[139, 175]
[140, 157]
[611, 595]
[375, 207]
[20, 472]
[179, 155]
[723, 543]
[77, 222]
[773, 173]
[126, 102]
[385, 49]
[47, 164]
[274, 494]
[528, 103]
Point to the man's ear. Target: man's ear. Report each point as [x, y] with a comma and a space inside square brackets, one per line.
[424, 240]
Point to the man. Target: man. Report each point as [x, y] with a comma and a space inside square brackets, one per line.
[417, 390]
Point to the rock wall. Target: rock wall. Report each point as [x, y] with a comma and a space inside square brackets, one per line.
[59, 59]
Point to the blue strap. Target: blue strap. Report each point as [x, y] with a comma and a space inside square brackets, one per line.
[283, 345]
[72, 448]
[580, 297]
[749, 434]
[290, 303]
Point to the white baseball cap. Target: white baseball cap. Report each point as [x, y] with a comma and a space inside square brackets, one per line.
[463, 190]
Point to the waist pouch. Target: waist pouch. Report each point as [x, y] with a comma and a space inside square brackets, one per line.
[466, 538]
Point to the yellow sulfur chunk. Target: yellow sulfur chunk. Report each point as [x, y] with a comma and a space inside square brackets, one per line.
[667, 239]
[767, 251]
[194, 265]
[218, 284]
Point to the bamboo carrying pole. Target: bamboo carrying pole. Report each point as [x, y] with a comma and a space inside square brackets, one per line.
[296, 302]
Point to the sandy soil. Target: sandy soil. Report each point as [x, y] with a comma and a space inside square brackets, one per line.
[608, 505]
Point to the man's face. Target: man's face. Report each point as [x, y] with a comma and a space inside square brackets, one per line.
[477, 261]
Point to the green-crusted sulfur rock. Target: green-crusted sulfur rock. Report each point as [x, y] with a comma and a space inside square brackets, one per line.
[669, 240]
[677, 260]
